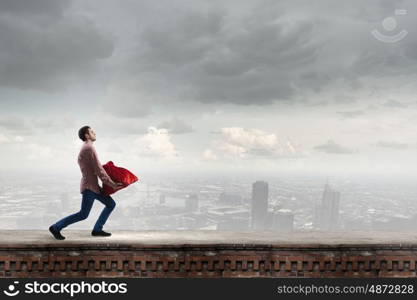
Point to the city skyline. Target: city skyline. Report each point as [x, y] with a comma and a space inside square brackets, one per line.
[218, 204]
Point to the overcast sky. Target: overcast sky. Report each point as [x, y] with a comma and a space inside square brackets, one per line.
[278, 86]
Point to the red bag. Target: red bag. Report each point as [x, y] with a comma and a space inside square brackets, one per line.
[117, 174]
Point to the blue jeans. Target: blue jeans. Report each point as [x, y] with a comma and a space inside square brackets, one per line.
[88, 198]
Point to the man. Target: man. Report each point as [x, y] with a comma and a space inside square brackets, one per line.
[90, 168]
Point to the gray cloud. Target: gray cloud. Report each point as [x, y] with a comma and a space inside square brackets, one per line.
[203, 56]
[53, 124]
[126, 107]
[44, 47]
[18, 125]
[176, 126]
[345, 99]
[40, 7]
[15, 125]
[254, 53]
[351, 114]
[394, 103]
[332, 147]
[265, 52]
[113, 126]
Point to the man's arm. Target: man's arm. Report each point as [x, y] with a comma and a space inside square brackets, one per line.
[99, 170]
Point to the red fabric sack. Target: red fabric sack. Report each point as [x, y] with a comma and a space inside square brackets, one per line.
[117, 174]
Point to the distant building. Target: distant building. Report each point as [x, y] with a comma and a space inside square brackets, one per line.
[282, 220]
[191, 203]
[327, 213]
[233, 224]
[226, 198]
[259, 209]
[161, 199]
[193, 220]
[397, 222]
[229, 217]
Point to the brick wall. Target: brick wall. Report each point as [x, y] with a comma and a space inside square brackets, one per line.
[207, 261]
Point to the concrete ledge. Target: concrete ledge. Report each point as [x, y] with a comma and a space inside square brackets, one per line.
[26, 253]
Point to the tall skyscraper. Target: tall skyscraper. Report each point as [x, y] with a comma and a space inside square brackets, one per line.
[161, 198]
[259, 205]
[327, 214]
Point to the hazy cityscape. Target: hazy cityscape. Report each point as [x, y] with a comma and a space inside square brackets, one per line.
[228, 202]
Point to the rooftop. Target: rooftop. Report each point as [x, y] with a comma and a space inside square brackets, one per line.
[43, 238]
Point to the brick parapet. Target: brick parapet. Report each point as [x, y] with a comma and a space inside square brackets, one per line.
[207, 260]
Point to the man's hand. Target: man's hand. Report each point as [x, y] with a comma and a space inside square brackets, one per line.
[118, 185]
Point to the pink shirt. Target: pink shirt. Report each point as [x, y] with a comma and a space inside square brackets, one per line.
[91, 167]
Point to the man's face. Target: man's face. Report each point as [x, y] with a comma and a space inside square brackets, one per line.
[91, 135]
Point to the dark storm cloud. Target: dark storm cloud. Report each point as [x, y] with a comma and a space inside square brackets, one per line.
[332, 147]
[234, 52]
[38, 7]
[268, 51]
[45, 47]
[203, 56]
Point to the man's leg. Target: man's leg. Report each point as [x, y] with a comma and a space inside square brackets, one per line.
[87, 203]
[110, 204]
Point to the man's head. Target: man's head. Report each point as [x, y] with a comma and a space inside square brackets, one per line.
[86, 133]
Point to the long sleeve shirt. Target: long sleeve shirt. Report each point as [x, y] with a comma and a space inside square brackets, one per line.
[91, 169]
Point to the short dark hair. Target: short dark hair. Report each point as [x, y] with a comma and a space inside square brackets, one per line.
[83, 130]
